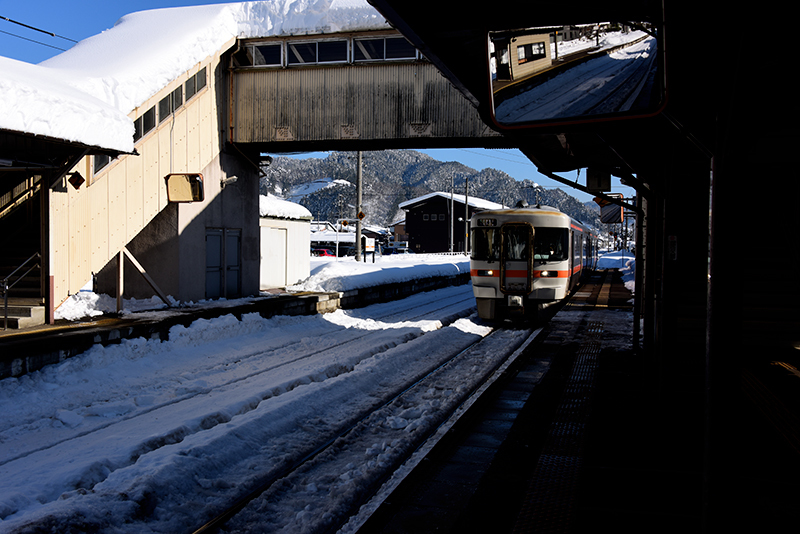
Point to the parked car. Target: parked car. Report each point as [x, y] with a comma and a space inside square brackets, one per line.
[322, 252]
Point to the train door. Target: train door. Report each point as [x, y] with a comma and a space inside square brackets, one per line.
[516, 274]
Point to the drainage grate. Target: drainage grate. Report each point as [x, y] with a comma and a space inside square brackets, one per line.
[550, 502]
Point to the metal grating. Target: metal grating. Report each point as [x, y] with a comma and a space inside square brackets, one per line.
[550, 502]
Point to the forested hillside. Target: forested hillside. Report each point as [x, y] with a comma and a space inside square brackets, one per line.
[327, 186]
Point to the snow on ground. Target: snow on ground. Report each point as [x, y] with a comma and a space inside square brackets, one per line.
[144, 424]
[148, 435]
[625, 261]
[297, 192]
[607, 40]
[346, 274]
[327, 274]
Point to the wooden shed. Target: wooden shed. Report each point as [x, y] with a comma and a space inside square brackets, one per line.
[428, 221]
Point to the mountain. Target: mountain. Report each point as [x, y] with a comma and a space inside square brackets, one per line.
[389, 177]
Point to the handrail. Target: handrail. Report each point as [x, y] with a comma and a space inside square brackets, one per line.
[19, 194]
[5, 285]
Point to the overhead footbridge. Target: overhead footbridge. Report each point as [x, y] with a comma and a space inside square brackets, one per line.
[356, 91]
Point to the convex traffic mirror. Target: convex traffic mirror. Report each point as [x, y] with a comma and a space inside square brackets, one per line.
[558, 74]
[185, 187]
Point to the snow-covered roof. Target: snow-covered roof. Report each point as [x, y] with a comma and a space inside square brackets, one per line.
[472, 201]
[272, 206]
[146, 50]
[85, 93]
[34, 100]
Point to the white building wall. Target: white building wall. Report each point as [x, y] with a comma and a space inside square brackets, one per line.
[285, 252]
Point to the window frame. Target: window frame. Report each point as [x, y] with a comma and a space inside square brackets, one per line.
[140, 124]
[273, 44]
[528, 52]
[99, 163]
[290, 62]
[384, 47]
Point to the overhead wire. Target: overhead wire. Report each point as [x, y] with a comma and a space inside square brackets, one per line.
[51, 34]
[28, 26]
[32, 40]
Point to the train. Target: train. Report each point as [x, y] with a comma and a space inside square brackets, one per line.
[524, 259]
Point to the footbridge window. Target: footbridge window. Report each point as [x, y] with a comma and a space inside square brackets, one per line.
[382, 49]
[170, 103]
[324, 51]
[304, 53]
[195, 83]
[144, 123]
[266, 55]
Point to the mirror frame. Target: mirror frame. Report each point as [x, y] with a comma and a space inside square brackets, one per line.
[185, 187]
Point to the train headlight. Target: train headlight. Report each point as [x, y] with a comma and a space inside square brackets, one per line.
[485, 272]
[548, 274]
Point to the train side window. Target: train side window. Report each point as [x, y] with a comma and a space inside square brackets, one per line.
[550, 244]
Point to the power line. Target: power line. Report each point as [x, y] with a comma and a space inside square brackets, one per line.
[522, 160]
[51, 34]
[33, 41]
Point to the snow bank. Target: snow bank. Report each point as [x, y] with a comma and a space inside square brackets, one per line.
[625, 261]
[347, 274]
[330, 274]
[342, 274]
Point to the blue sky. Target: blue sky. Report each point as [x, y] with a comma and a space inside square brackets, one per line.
[78, 19]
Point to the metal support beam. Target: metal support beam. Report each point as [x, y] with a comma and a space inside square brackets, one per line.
[120, 280]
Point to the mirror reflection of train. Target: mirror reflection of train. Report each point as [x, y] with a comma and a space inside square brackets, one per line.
[527, 258]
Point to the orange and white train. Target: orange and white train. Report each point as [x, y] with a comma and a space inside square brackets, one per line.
[524, 259]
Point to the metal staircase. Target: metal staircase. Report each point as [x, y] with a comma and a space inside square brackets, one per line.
[21, 297]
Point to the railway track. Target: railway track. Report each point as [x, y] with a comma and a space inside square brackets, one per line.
[289, 353]
[351, 466]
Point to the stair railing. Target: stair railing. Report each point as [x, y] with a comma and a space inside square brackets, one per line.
[6, 286]
[18, 194]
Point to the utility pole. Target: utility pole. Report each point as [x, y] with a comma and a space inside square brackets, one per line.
[358, 208]
[452, 185]
[466, 217]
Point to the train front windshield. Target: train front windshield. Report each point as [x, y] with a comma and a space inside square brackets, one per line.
[551, 244]
[485, 244]
[516, 238]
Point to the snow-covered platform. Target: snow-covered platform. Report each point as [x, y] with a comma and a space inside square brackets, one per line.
[24, 351]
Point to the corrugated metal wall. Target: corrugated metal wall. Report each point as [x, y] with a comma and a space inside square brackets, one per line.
[365, 102]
